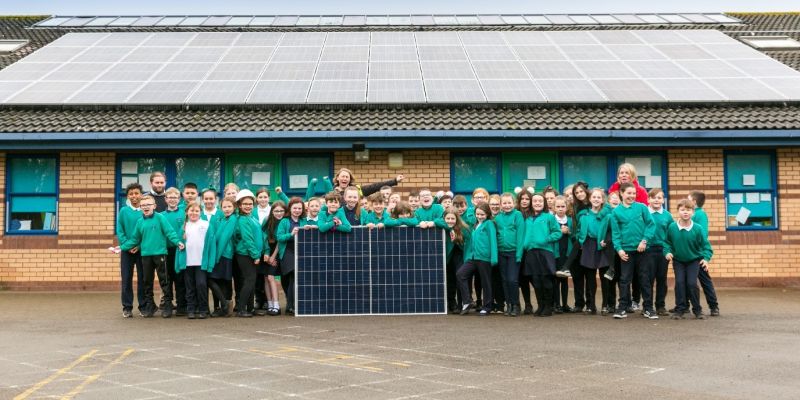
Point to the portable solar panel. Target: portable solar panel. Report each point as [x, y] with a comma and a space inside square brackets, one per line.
[370, 272]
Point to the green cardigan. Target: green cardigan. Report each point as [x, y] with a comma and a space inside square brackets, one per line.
[209, 252]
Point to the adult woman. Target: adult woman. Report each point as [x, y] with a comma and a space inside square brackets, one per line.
[344, 178]
[627, 173]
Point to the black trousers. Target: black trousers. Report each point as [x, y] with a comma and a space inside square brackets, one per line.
[658, 266]
[561, 285]
[636, 261]
[177, 280]
[574, 264]
[497, 288]
[508, 268]
[261, 289]
[244, 295]
[590, 280]
[127, 262]
[541, 265]
[484, 270]
[151, 265]
[686, 286]
[287, 283]
[708, 288]
[453, 294]
[196, 290]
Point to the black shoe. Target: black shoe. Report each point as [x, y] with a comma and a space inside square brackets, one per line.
[547, 312]
[662, 311]
[244, 314]
[528, 310]
[592, 311]
[166, 312]
[671, 310]
[149, 312]
[538, 312]
[127, 314]
[218, 313]
[191, 315]
[202, 315]
[260, 312]
[514, 311]
[677, 315]
[699, 316]
[465, 309]
[558, 310]
[290, 311]
[620, 314]
[715, 312]
[180, 312]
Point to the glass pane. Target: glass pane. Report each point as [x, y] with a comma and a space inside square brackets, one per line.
[749, 172]
[33, 221]
[300, 171]
[591, 169]
[33, 175]
[254, 175]
[523, 173]
[471, 172]
[754, 209]
[138, 170]
[33, 204]
[649, 170]
[204, 172]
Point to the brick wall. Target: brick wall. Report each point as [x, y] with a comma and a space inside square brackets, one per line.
[421, 168]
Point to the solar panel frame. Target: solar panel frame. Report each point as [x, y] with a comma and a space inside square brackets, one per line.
[279, 92]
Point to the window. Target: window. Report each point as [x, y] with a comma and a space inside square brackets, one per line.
[32, 195]
[253, 171]
[529, 169]
[10, 46]
[205, 172]
[590, 169]
[600, 169]
[300, 170]
[771, 42]
[471, 171]
[750, 190]
[649, 169]
[202, 170]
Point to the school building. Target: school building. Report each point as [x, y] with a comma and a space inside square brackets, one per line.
[695, 101]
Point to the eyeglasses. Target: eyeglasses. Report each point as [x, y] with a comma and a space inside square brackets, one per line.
[147, 205]
[279, 211]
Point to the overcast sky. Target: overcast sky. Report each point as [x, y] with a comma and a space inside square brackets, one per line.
[228, 7]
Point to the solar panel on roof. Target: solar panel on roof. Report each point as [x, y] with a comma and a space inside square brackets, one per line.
[570, 91]
[604, 69]
[239, 21]
[685, 90]
[345, 53]
[341, 71]
[211, 92]
[105, 92]
[380, 271]
[499, 70]
[552, 70]
[634, 90]
[280, 92]
[583, 19]
[788, 87]
[165, 92]
[170, 21]
[331, 20]
[511, 91]
[338, 91]
[130, 72]
[394, 70]
[447, 70]
[393, 53]
[395, 91]
[289, 71]
[235, 72]
[744, 89]
[454, 91]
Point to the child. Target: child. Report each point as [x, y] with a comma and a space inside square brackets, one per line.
[568, 193]
[593, 225]
[525, 282]
[210, 211]
[658, 264]
[352, 206]
[632, 229]
[394, 198]
[479, 196]
[550, 195]
[413, 200]
[248, 242]
[189, 195]
[231, 189]
[312, 217]
[613, 199]
[687, 246]
[176, 218]
[272, 259]
[150, 237]
[428, 213]
[456, 241]
[377, 216]
[541, 244]
[402, 215]
[565, 250]
[386, 192]
[196, 260]
[481, 256]
[127, 218]
[494, 204]
[220, 277]
[262, 208]
[700, 217]
[333, 217]
[287, 231]
[511, 234]
[446, 201]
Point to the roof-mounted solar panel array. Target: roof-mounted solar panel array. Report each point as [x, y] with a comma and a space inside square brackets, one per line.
[382, 20]
[251, 68]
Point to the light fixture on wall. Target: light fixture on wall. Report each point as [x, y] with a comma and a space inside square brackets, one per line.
[396, 160]
[360, 152]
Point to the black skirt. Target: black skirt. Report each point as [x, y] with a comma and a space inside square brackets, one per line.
[539, 262]
[223, 270]
[287, 262]
[591, 256]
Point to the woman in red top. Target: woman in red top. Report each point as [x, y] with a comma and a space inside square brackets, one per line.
[627, 173]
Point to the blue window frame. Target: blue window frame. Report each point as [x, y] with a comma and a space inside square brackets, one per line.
[599, 169]
[202, 169]
[469, 171]
[32, 194]
[751, 200]
[299, 170]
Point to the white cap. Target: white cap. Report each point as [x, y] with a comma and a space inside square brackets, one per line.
[244, 193]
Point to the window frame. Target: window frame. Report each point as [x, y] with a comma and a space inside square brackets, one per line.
[611, 166]
[285, 171]
[542, 157]
[468, 194]
[252, 158]
[9, 195]
[773, 191]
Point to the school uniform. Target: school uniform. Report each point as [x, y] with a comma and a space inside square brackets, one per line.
[286, 252]
[701, 218]
[151, 235]
[196, 260]
[220, 277]
[311, 221]
[454, 259]
[397, 222]
[176, 219]
[353, 217]
[688, 246]
[655, 250]
[326, 223]
[248, 242]
[591, 231]
[211, 216]
[511, 236]
[126, 223]
[561, 285]
[371, 217]
[363, 190]
[481, 256]
[541, 245]
[263, 213]
[573, 264]
[629, 226]
[434, 213]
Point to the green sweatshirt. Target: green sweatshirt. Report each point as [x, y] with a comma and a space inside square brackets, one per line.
[369, 217]
[311, 222]
[214, 218]
[395, 222]
[631, 225]
[325, 222]
[175, 219]
[151, 235]
[511, 232]
[661, 220]
[209, 252]
[593, 225]
[284, 234]
[248, 240]
[687, 245]
[223, 234]
[483, 244]
[126, 222]
[434, 213]
[701, 218]
[542, 232]
[469, 217]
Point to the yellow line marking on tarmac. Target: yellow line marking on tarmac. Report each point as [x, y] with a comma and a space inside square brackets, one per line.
[311, 355]
[89, 380]
[62, 371]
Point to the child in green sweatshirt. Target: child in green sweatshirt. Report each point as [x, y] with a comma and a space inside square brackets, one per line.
[542, 234]
[700, 217]
[511, 236]
[150, 237]
[429, 214]
[480, 257]
[687, 246]
[402, 215]
[457, 239]
[248, 245]
[219, 280]
[592, 228]
[662, 219]
[127, 217]
[377, 215]
[176, 217]
[632, 228]
[332, 217]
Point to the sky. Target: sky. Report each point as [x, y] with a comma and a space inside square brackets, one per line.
[339, 7]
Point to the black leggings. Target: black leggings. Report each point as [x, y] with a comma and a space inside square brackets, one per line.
[287, 283]
[484, 270]
[247, 270]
